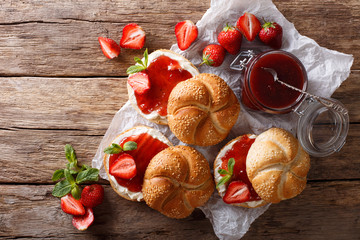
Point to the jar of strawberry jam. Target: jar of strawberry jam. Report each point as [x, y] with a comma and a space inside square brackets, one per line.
[321, 128]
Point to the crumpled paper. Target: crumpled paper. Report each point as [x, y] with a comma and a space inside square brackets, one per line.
[326, 70]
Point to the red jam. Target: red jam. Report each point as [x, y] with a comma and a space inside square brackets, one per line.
[239, 152]
[147, 148]
[164, 73]
[261, 91]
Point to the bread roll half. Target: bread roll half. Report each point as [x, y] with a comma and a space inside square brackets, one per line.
[277, 165]
[177, 180]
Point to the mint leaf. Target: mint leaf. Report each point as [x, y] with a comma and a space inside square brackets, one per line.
[69, 177]
[223, 180]
[223, 171]
[58, 174]
[135, 69]
[113, 149]
[76, 192]
[70, 153]
[231, 164]
[138, 60]
[141, 65]
[91, 174]
[129, 146]
[146, 58]
[61, 188]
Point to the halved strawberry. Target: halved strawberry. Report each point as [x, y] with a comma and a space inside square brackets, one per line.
[237, 192]
[139, 82]
[123, 167]
[133, 37]
[249, 26]
[72, 206]
[83, 222]
[186, 33]
[109, 47]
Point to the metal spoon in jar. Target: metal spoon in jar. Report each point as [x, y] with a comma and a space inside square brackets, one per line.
[326, 102]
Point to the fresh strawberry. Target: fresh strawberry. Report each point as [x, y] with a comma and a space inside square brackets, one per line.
[92, 195]
[271, 34]
[139, 82]
[249, 26]
[72, 206]
[123, 167]
[133, 37]
[230, 38]
[109, 47]
[237, 192]
[83, 222]
[186, 33]
[213, 55]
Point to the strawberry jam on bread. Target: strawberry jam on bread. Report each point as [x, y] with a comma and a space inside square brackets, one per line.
[126, 168]
[152, 79]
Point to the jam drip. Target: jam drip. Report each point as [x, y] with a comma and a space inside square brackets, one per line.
[164, 73]
[239, 152]
[147, 148]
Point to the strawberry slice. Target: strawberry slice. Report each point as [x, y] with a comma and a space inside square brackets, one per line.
[72, 206]
[133, 37]
[249, 26]
[237, 192]
[83, 222]
[109, 47]
[123, 167]
[139, 82]
[186, 33]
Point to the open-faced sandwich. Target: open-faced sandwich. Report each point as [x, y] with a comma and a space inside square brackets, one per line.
[128, 156]
[251, 171]
[151, 80]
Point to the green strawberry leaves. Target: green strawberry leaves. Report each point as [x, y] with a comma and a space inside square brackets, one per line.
[227, 173]
[140, 66]
[116, 148]
[72, 175]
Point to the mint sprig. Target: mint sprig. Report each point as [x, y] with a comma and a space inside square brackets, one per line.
[116, 148]
[140, 66]
[227, 173]
[72, 175]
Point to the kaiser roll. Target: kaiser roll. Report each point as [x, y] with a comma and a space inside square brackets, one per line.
[176, 181]
[277, 165]
[202, 110]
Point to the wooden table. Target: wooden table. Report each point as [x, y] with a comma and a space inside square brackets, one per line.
[56, 87]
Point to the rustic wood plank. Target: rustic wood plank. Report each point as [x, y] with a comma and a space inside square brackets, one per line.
[68, 31]
[325, 210]
[39, 153]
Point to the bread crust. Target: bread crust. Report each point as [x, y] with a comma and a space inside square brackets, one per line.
[277, 165]
[218, 162]
[202, 110]
[156, 118]
[112, 180]
[177, 180]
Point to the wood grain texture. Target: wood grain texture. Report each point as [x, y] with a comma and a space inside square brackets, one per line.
[28, 211]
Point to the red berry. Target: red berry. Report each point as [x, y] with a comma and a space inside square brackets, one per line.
[213, 55]
[123, 167]
[237, 192]
[249, 26]
[109, 47]
[133, 37]
[92, 195]
[230, 38]
[186, 33]
[139, 82]
[72, 206]
[83, 222]
[271, 34]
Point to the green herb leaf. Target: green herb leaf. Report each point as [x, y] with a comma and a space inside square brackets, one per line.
[76, 192]
[70, 153]
[58, 174]
[91, 174]
[69, 176]
[84, 167]
[231, 164]
[134, 69]
[146, 58]
[138, 60]
[61, 188]
[129, 146]
[113, 149]
[223, 180]
[223, 172]
[141, 65]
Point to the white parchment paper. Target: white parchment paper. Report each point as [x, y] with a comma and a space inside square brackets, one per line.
[326, 70]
